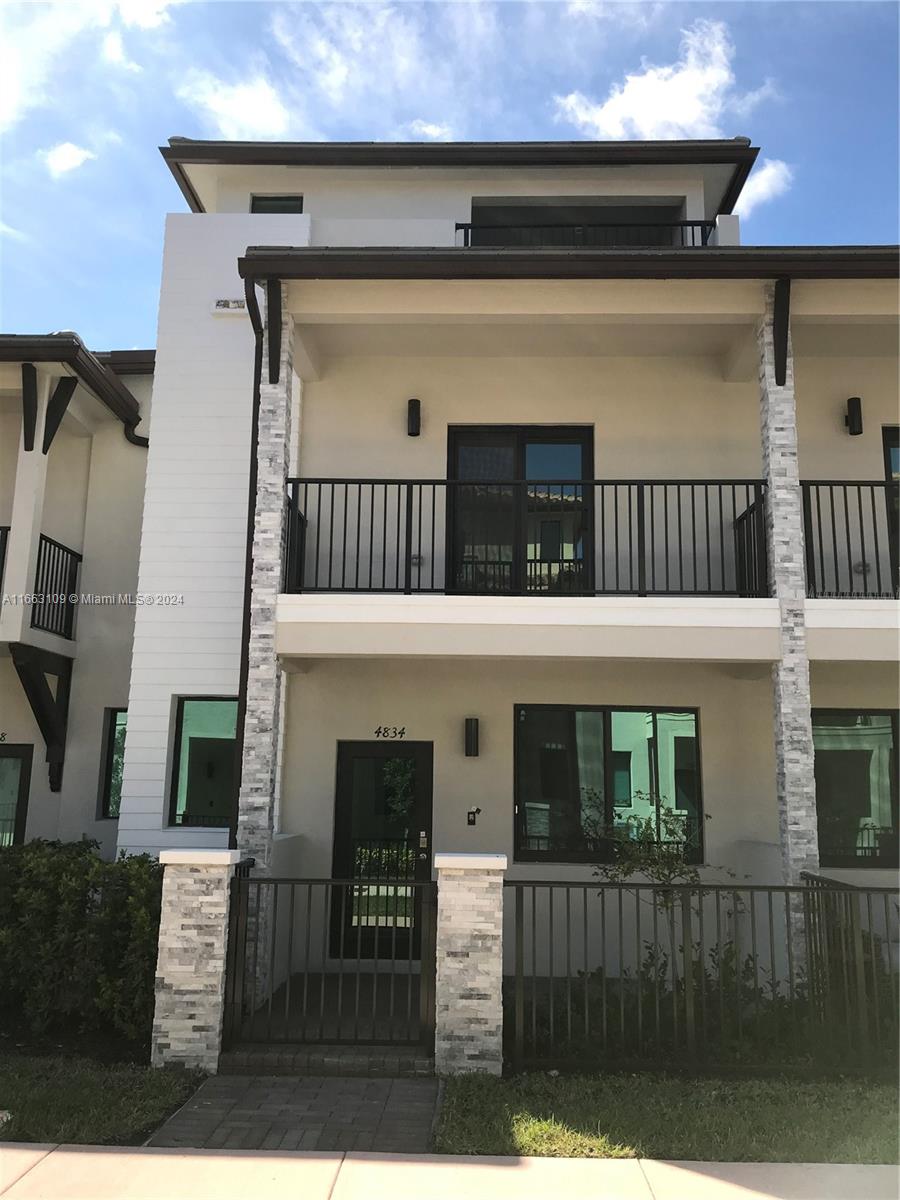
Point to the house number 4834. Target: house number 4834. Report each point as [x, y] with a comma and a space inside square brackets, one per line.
[390, 731]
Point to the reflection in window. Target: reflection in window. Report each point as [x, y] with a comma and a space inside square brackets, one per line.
[114, 761]
[856, 787]
[204, 775]
[583, 772]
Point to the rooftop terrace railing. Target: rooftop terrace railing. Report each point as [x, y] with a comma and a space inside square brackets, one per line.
[599, 236]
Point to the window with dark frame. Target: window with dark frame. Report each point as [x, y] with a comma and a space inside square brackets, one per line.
[115, 721]
[203, 770]
[856, 772]
[586, 776]
[276, 204]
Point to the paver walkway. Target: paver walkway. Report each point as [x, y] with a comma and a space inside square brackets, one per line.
[284, 1112]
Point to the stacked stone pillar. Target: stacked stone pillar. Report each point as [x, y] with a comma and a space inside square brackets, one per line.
[256, 802]
[469, 967]
[795, 781]
[190, 968]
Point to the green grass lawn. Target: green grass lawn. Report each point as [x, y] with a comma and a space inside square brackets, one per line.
[61, 1098]
[659, 1116]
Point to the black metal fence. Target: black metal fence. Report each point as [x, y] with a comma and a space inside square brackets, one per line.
[701, 975]
[852, 533]
[331, 961]
[599, 236]
[547, 537]
[55, 581]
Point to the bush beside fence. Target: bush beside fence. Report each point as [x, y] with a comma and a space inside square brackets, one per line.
[78, 940]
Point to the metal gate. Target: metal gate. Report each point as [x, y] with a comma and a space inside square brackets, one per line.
[334, 961]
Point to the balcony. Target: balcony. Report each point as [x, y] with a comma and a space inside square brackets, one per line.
[527, 538]
[55, 580]
[639, 235]
[852, 538]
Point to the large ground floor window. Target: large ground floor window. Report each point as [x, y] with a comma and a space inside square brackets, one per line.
[588, 777]
[856, 786]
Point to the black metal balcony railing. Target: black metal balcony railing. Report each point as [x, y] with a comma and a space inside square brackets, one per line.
[55, 583]
[585, 537]
[635, 235]
[851, 533]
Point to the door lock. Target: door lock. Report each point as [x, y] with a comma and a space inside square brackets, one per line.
[423, 839]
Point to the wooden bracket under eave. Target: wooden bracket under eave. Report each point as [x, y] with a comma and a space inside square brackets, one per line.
[51, 711]
[273, 327]
[56, 408]
[29, 405]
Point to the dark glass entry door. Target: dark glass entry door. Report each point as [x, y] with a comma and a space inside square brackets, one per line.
[382, 835]
[15, 778]
[520, 513]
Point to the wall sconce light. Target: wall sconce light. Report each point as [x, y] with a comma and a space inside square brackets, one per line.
[471, 737]
[413, 418]
[853, 419]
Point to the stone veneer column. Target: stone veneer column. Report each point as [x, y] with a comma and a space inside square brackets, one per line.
[784, 536]
[256, 802]
[469, 975]
[190, 968]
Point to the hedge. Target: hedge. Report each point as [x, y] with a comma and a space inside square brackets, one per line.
[78, 939]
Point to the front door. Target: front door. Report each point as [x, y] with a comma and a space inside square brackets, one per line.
[520, 509]
[382, 836]
[15, 778]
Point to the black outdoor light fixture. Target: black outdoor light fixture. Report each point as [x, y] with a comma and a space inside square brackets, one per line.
[471, 737]
[853, 419]
[413, 418]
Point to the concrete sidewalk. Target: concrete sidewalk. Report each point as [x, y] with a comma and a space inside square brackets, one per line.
[34, 1172]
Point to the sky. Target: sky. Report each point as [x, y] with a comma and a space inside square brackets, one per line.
[90, 88]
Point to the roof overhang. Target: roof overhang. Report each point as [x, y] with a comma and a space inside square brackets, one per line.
[68, 348]
[182, 153]
[745, 262]
[128, 362]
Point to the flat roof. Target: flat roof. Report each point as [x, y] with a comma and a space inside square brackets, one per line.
[181, 153]
[68, 348]
[710, 262]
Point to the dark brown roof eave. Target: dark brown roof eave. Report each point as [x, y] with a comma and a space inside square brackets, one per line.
[128, 362]
[68, 348]
[746, 262]
[186, 151]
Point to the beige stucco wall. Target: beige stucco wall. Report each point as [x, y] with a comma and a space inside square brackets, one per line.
[854, 685]
[10, 424]
[648, 414]
[348, 701]
[823, 386]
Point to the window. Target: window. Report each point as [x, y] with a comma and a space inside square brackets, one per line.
[276, 204]
[204, 773]
[114, 723]
[856, 786]
[586, 777]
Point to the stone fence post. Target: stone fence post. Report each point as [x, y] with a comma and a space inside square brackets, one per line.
[469, 968]
[190, 968]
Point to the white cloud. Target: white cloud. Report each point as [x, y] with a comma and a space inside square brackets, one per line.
[686, 99]
[14, 235]
[773, 178]
[250, 109]
[64, 158]
[146, 14]
[113, 51]
[428, 129]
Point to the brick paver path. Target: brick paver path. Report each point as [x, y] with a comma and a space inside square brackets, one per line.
[283, 1112]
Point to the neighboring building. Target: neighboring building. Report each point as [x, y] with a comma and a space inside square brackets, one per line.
[72, 464]
[565, 459]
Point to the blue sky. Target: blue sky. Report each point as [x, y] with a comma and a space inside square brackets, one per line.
[88, 90]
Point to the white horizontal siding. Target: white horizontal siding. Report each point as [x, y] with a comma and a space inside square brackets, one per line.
[195, 509]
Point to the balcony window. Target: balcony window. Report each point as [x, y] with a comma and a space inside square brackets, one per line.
[276, 204]
[204, 773]
[856, 786]
[115, 722]
[587, 778]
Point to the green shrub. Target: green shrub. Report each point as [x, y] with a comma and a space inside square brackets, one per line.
[78, 939]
